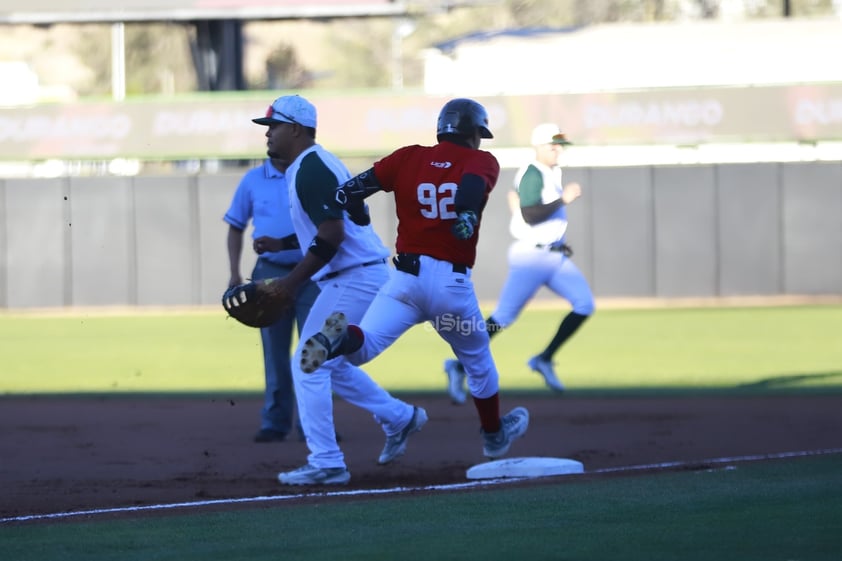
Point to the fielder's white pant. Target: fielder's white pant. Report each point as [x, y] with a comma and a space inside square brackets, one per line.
[447, 300]
[530, 268]
[351, 292]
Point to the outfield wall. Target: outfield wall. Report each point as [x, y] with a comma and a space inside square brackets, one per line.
[702, 231]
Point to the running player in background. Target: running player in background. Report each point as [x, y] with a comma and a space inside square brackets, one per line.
[538, 257]
[440, 192]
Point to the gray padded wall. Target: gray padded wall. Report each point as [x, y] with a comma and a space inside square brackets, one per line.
[678, 231]
[812, 227]
[166, 260]
[623, 231]
[580, 223]
[492, 266]
[102, 240]
[748, 198]
[685, 231]
[37, 242]
[214, 198]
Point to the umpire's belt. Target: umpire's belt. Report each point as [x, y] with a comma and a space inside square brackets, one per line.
[335, 274]
[411, 263]
[564, 249]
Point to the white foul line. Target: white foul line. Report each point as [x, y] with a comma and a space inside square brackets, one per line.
[726, 460]
[398, 490]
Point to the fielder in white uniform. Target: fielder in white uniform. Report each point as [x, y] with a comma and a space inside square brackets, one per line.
[348, 262]
[538, 257]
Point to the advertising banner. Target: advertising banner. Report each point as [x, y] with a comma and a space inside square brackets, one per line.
[219, 126]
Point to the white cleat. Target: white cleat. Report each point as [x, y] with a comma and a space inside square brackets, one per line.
[311, 475]
[513, 425]
[324, 345]
[545, 369]
[396, 444]
[455, 381]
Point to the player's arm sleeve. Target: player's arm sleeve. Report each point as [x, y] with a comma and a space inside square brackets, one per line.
[470, 194]
[533, 210]
[358, 188]
[316, 185]
[476, 183]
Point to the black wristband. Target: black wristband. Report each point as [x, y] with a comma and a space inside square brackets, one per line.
[322, 249]
[290, 242]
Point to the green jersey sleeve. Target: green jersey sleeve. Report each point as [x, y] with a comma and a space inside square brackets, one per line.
[530, 187]
[315, 185]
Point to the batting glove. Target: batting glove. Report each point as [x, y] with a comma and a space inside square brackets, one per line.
[465, 225]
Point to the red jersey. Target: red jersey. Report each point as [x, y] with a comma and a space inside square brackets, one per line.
[424, 180]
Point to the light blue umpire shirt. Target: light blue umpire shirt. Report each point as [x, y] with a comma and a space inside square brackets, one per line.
[263, 197]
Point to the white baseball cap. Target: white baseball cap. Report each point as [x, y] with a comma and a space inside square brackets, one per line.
[548, 133]
[289, 109]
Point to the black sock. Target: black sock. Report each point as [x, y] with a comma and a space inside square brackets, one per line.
[568, 327]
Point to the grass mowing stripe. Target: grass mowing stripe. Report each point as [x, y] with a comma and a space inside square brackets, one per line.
[696, 464]
[768, 510]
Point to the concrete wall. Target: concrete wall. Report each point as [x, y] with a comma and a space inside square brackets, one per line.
[672, 231]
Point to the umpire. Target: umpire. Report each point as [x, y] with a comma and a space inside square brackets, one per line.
[262, 197]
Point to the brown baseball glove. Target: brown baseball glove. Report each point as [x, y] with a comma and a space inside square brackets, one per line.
[257, 303]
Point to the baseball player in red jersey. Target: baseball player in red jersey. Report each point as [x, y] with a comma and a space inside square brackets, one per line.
[440, 192]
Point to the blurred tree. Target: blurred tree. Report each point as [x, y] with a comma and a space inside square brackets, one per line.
[708, 9]
[284, 71]
[359, 53]
[157, 59]
[93, 46]
[803, 8]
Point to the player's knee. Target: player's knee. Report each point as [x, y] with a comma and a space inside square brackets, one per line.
[500, 320]
[368, 349]
[584, 307]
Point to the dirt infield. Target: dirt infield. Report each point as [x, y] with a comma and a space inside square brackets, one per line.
[71, 454]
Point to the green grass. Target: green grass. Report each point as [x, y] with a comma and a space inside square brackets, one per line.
[751, 349]
[782, 510]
